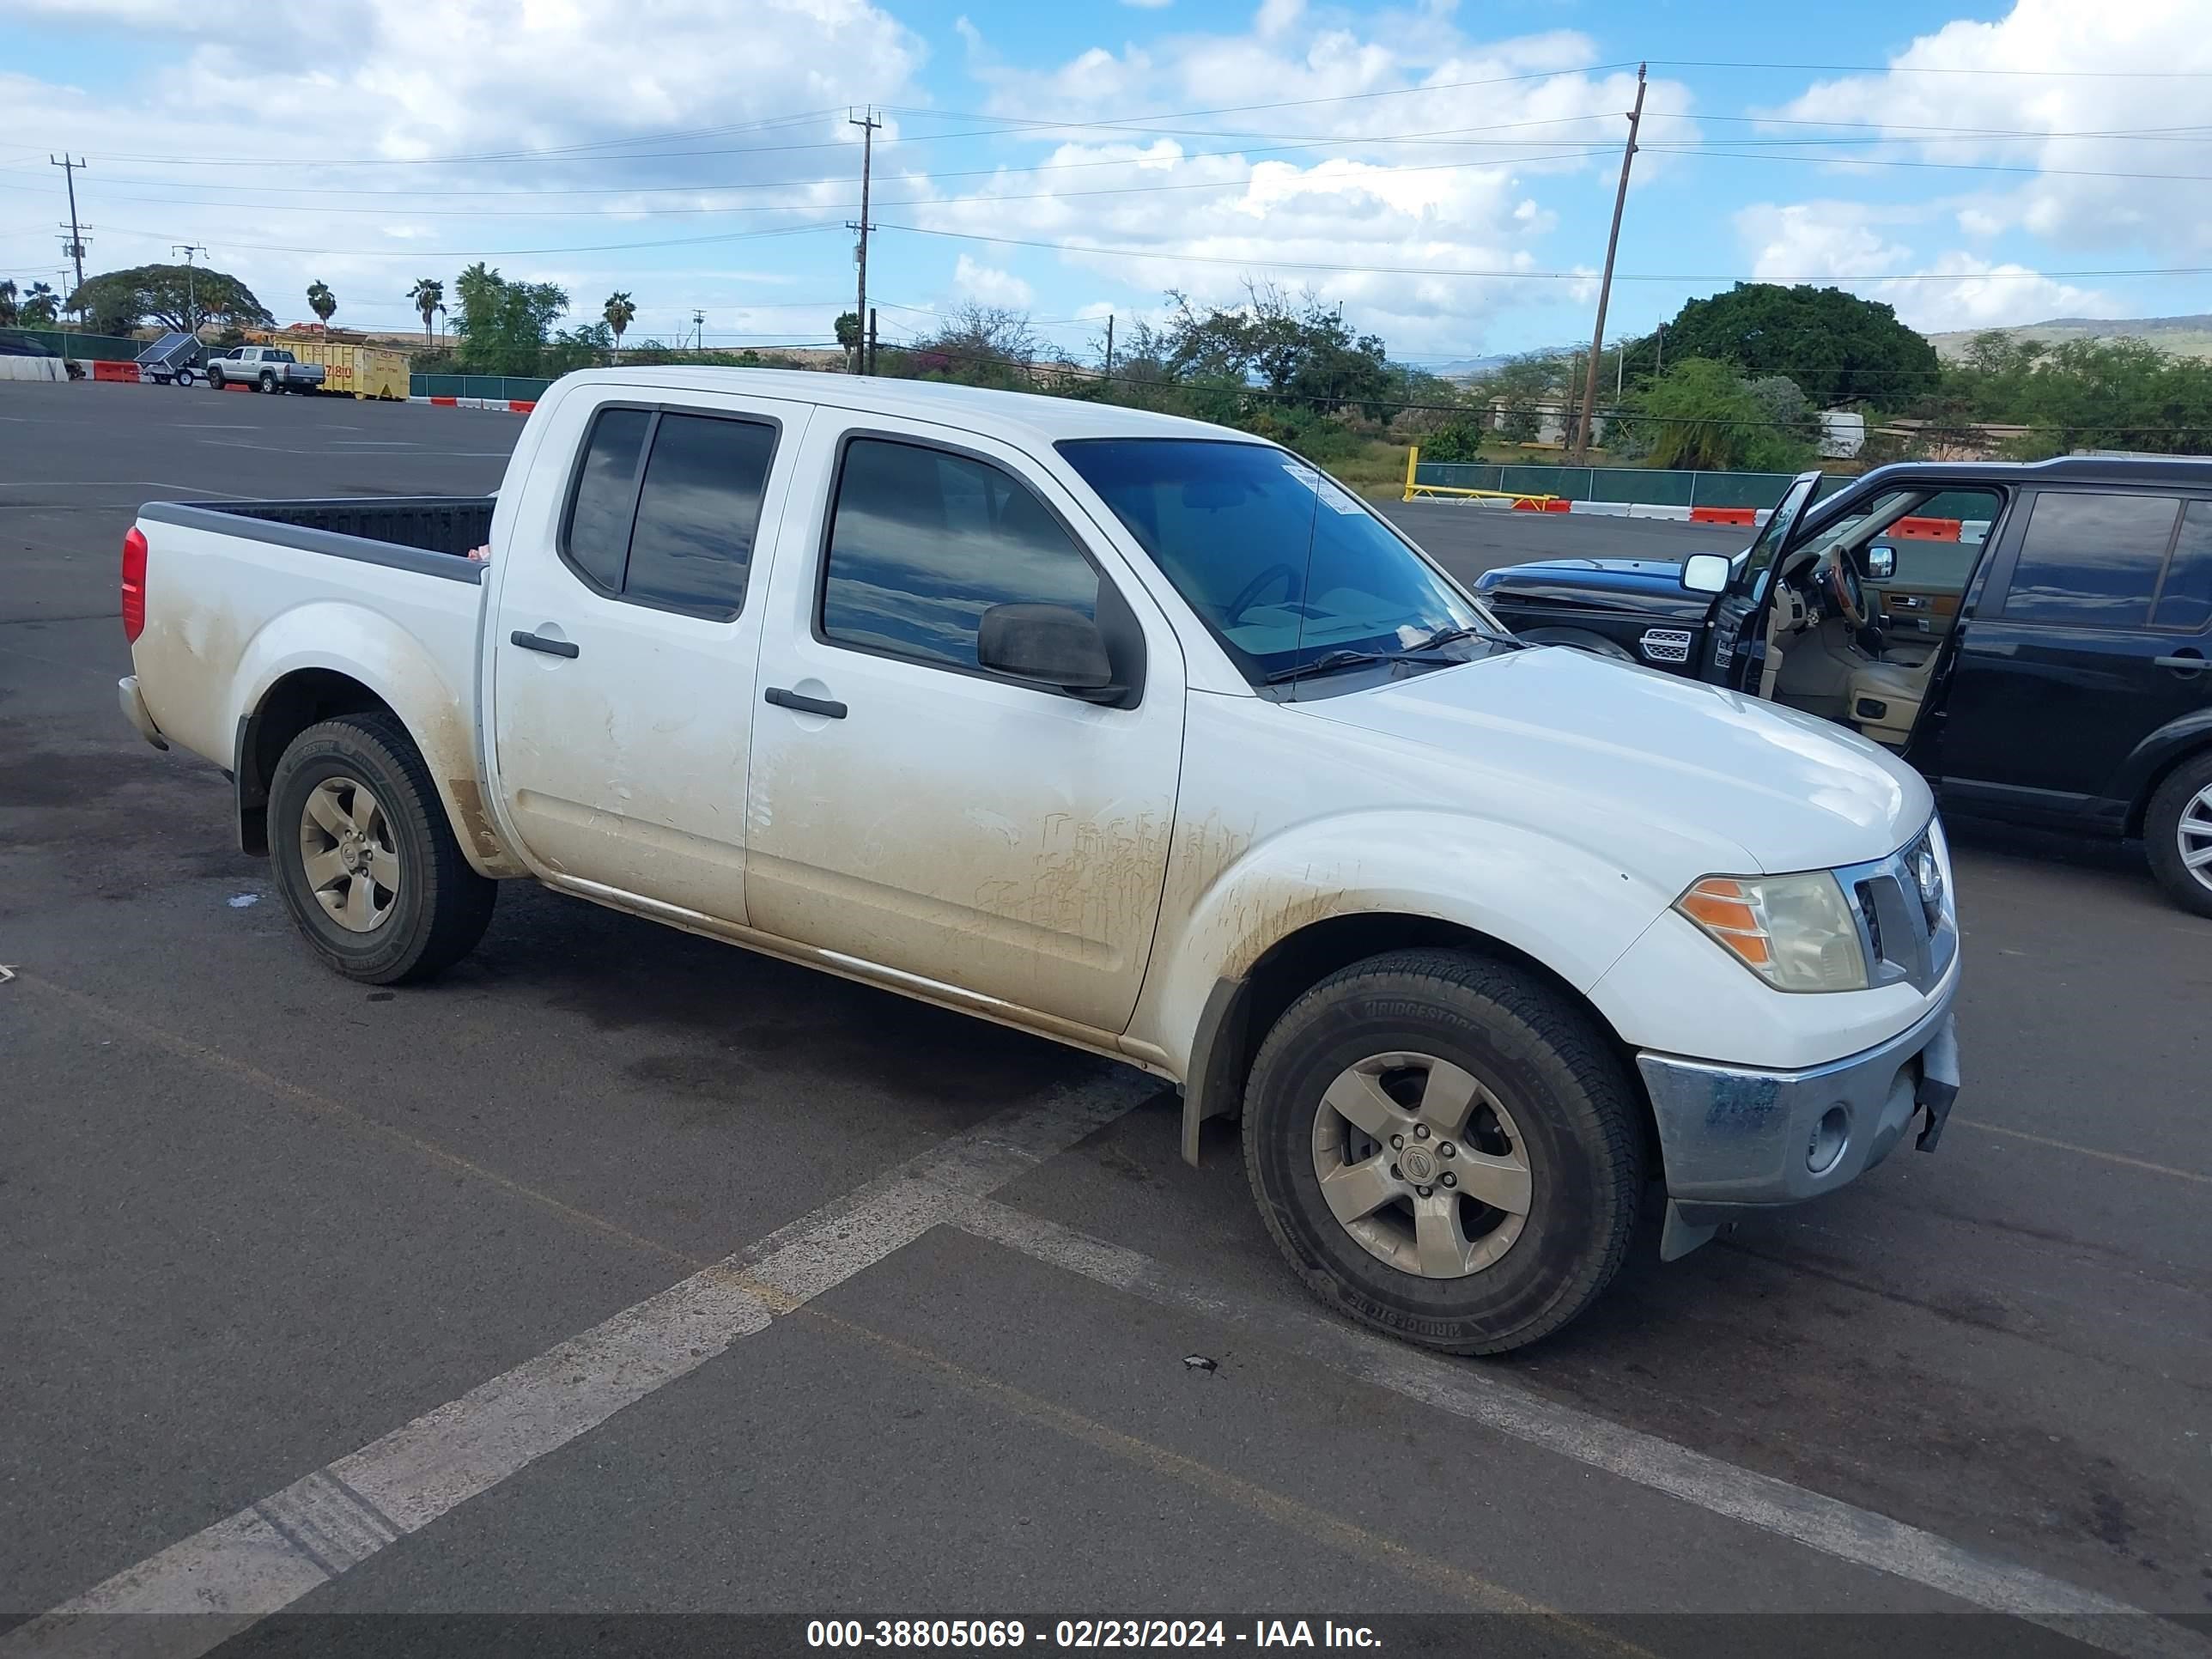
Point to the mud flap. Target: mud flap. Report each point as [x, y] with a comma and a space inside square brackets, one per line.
[1939, 1083]
[1678, 1237]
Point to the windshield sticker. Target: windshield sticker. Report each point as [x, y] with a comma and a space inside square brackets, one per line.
[1332, 496]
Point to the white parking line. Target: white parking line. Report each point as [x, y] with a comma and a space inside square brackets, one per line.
[266, 1556]
[1826, 1524]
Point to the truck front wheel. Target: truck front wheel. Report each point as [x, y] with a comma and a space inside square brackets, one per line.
[1446, 1149]
[364, 858]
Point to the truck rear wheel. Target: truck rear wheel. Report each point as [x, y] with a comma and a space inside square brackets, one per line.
[1446, 1149]
[365, 861]
[268, 382]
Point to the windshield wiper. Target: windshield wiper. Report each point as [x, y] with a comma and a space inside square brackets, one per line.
[1453, 635]
[1329, 662]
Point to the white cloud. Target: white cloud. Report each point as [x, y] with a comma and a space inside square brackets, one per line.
[988, 285]
[225, 144]
[1848, 244]
[1148, 5]
[2134, 74]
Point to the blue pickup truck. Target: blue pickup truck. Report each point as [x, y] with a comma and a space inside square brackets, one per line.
[2037, 639]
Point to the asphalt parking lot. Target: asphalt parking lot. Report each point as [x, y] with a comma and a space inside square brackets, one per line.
[261, 1223]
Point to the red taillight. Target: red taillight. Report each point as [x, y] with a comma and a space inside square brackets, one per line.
[134, 584]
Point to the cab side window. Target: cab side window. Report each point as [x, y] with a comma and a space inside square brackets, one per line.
[2184, 598]
[665, 507]
[923, 542]
[2092, 558]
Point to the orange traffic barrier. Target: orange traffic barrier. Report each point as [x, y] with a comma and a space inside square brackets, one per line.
[1723, 515]
[1928, 530]
[107, 371]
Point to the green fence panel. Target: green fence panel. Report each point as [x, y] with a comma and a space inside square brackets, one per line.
[1456, 475]
[89, 348]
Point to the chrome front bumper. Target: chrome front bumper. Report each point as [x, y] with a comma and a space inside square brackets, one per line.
[135, 710]
[1737, 1140]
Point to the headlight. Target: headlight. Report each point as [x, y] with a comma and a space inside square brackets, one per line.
[1797, 932]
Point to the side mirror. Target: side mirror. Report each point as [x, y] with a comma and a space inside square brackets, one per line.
[1705, 573]
[1882, 563]
[1052, 644]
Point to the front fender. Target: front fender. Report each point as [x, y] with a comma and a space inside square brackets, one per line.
[1230, 900]
[341, 637]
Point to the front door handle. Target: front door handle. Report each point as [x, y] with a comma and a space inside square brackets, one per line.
[2189, 662]
[824, 706]
[530, 642]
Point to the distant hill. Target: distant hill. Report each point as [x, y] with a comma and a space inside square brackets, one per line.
[2184, 336]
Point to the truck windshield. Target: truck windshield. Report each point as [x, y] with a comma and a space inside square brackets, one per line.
[1283, 566]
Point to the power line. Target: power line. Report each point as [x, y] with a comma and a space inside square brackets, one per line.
[1172, 255]
[1915, 69]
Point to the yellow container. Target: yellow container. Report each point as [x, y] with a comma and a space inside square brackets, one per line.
[358, 370]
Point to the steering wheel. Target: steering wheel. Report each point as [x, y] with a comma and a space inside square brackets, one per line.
[1252, 590]
[1842, 582]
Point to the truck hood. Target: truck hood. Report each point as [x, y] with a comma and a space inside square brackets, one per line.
[1669, 777]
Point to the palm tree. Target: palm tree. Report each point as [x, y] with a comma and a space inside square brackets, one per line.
[40, 307]
[322, 301]
[429, 297]
[618, 313]
[7, 301]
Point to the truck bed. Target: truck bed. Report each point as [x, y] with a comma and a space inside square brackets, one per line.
[428, 524]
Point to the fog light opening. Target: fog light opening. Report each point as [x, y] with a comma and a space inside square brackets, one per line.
[1830, 1136]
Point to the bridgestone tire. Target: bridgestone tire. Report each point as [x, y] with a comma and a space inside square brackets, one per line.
[441, 907]
[2162, 834]
[1569, 1094]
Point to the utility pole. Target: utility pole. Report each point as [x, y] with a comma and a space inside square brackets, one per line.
[872, 339]
[1110, 346]
[867, 124]
[192, 288]
[75, 245]
[1659, 352]
[698, 331]
[1605, 283]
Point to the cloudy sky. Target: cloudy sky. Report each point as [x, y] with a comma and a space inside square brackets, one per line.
[1445, 171]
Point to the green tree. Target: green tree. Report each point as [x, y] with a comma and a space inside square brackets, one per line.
[2081, 394]
[504, 326]
[1701, 414]
[322, 301]
[1839, 348]
[428, 297]
[6, 301]
[1522, 388]
[177, 297]
[41, 306]
[619, 312]
[1301, 350]
[847, 330]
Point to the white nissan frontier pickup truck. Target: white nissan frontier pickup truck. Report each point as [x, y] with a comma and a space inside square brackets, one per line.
[1133, 732]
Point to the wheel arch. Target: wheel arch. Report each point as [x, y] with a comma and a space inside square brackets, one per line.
[1241, 1010]
[2159, 758]
[304, 696]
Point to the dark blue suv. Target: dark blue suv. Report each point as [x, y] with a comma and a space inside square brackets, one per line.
[2037, 639]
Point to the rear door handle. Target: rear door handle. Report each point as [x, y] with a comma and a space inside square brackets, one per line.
[530, 642]
[824, 706]
[2193, 664]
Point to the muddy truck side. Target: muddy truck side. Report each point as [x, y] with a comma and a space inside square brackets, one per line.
[1129, 731]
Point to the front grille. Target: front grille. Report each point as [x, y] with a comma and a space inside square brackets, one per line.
[1907, 928]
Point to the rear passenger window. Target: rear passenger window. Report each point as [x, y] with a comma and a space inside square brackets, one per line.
[678, 533]
[692, 547]
[2091, 558]
[598, 539]
[2185, 601]
[923, 542]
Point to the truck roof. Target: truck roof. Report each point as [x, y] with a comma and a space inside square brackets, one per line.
[1034, 415]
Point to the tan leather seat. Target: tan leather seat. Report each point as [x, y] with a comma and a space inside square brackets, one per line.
[1885, 697]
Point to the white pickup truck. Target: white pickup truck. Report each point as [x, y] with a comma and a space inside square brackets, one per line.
[265, 368]
[1130, 731]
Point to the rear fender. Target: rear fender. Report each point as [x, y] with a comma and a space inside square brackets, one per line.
[342, 638]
